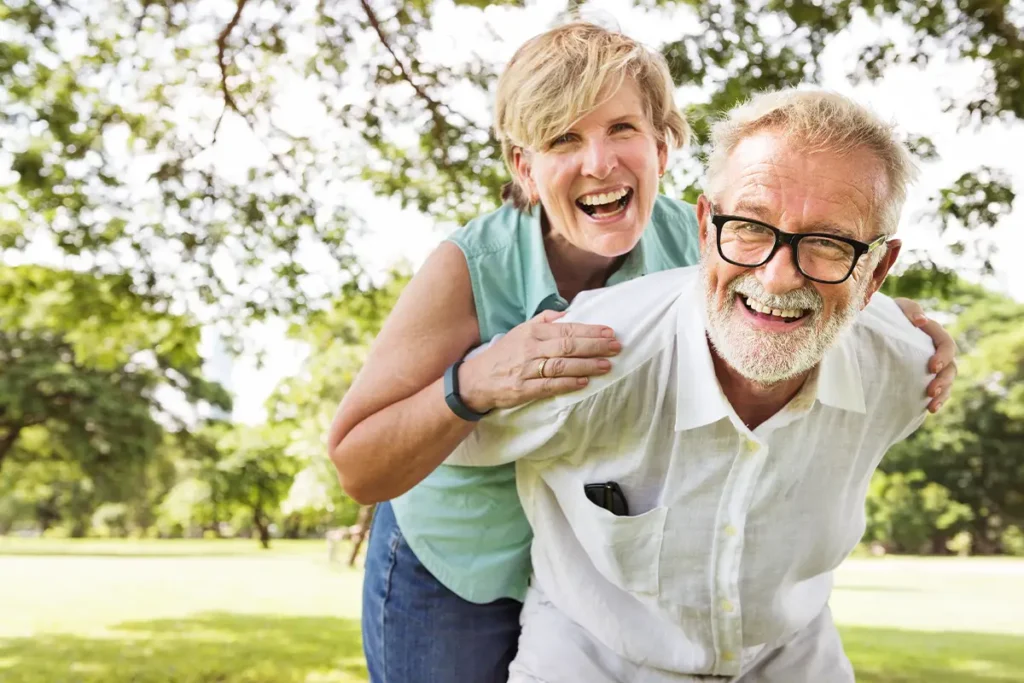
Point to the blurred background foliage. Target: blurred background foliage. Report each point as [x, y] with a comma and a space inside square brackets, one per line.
[124, 237]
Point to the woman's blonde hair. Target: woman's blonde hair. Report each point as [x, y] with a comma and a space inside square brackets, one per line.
[556, 78]
[818, 120]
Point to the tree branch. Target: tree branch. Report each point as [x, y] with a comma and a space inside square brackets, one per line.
[372, 17]
[222, 42]
[437, 109]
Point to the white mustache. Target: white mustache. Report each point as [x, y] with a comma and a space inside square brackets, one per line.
[748, 285]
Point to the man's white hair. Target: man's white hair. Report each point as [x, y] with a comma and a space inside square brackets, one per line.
[818, 121]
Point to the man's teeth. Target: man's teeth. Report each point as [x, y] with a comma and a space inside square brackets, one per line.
[778, 312]
[606, 198]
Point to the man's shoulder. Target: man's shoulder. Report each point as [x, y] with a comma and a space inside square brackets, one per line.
[637, 306]
[893, 357]
[649, 290]
[644, 315]
[883, 325]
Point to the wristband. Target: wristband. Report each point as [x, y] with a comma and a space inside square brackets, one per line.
[453, 398]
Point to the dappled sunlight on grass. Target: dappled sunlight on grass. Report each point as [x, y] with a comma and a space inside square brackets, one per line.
[228, 612]
[207, 647]
[882, 655]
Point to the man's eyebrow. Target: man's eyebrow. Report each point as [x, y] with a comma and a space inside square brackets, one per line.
[832, 229]
[755, 210]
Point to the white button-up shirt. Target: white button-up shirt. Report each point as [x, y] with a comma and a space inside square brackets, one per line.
[732, 533]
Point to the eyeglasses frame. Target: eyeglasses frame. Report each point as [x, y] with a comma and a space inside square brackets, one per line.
[792, 239]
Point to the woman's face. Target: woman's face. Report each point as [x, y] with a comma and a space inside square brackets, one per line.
[597, 181]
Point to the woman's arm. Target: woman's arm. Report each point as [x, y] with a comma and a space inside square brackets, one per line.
[943, 363]
[393, 427]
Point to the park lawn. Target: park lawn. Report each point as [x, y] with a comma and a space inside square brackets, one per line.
[225, 611]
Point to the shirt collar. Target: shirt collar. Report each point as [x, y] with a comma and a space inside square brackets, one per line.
[541, 292]
[699, 398]
[836, 382]
[839, 378]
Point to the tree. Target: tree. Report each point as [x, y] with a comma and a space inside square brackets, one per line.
[452, 170]
[907, 513]
[254, 474]
[100, 94]
[974, 447]
[84, 362]
[338, 339]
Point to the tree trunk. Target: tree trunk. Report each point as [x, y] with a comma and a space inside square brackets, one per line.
[364, 521]
[263, 527]
[982, 543]
[938, 543]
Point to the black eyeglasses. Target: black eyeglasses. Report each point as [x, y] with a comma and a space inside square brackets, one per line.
[821, 257]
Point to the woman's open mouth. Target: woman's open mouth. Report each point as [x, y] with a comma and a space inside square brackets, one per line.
[606, 205]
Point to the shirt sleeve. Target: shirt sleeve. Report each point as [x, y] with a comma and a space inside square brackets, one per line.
[535, 431]
[902, 357]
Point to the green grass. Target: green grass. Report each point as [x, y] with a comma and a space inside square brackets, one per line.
[226, 612]
[932, 620]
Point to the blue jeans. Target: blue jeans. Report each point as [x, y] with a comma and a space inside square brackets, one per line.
[415, 630]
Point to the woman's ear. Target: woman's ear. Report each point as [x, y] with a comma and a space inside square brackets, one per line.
[524, 175]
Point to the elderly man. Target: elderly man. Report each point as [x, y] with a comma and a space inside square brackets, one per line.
[689, 507]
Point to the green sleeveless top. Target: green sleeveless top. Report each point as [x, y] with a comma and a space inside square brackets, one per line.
[465, 524]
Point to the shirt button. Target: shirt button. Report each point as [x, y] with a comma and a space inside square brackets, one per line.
[730, 530]
[728, 656]
[727, 606]
[752, 446]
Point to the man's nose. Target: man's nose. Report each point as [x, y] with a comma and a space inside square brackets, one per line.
[780, 274]
[598, 159]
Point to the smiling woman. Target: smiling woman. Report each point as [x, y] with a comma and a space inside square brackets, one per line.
[586, 119]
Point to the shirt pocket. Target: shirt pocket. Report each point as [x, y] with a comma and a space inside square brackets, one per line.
[625, 549]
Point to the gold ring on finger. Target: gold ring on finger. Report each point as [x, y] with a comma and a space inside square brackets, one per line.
[540, 370]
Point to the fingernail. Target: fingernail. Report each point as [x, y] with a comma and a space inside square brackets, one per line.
[938, 366]
[604, 364]
[938, 407]
[608, 333]
[920, 320]
[615, 346]
[582, 381]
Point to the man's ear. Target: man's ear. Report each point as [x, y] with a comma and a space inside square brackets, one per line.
[524, 176]
[703, 220]
[892, 251]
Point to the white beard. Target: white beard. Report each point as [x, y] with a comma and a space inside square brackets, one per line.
[768, 358]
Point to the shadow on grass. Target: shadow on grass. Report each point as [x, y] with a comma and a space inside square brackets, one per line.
[205, 648]
[234, 648]
[881, 655]
[256, 553]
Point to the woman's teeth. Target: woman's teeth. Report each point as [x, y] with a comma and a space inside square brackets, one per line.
[605, 204]
[778, 312]
[606, 198]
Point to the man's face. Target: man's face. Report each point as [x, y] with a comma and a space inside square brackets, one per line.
[771, 323]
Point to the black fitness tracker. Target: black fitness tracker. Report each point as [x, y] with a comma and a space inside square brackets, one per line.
[452, 396]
